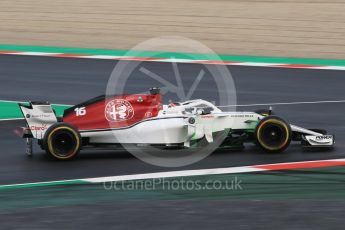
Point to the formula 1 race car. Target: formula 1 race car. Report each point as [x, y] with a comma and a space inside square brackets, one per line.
[141, 119]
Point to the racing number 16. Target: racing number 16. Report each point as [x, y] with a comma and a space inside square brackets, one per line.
[80, 111]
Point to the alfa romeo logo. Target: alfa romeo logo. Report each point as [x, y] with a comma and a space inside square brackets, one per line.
[118, 110]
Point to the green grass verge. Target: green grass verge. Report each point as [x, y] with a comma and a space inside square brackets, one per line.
[320, 184]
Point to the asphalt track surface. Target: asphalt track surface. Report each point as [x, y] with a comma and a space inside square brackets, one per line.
[184, 214]
[70, 81]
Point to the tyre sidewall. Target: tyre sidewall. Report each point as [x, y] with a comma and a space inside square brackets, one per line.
[48, 145]
[276, 120]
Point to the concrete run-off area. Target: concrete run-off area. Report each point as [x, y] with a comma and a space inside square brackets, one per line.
[291, 28]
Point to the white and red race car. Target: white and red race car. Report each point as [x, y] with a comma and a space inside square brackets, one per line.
[141, 119]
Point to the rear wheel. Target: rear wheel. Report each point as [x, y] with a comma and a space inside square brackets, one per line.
[62, 141]
[273, 134]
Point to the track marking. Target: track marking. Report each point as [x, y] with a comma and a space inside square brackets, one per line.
[9, 101]
[331, 67]
[199, 172]
[33, 53]
[221, 106]
[185, 173]
[175, 60]
[11, 119]
[285, 103]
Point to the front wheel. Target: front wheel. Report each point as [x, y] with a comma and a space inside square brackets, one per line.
[62, 141]
[273, 134]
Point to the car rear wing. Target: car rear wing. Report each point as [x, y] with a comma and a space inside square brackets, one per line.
[39, 117]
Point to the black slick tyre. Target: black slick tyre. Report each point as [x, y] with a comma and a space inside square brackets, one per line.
[273, 134]
[62, 141]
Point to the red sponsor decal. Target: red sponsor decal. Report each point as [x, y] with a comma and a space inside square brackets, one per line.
[38, 128]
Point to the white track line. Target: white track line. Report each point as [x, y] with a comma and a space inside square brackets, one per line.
[11, 119]
[330, 67]
[285, 103]
[105, 57]
[8, 101]
[35, 54]
[221, 106]
[259, 64]
[12, 101]
[200, 172]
